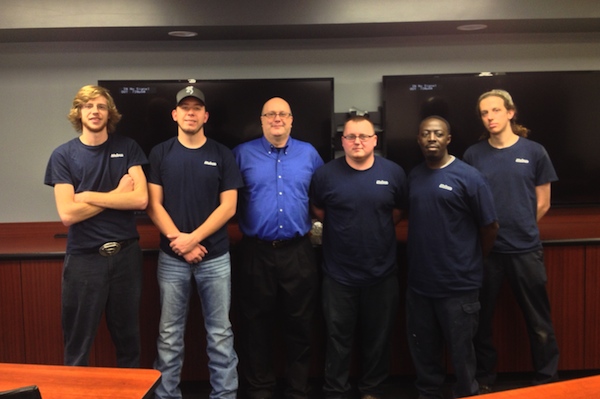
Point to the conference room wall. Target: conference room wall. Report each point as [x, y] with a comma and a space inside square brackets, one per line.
[38, 82]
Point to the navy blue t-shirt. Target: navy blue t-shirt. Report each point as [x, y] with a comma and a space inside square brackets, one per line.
[447, 207]
[513, 173]
[359, 235]
[192, 181]
[96, 168]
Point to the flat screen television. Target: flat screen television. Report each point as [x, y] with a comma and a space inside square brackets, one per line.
[234, 108]
[561, 108]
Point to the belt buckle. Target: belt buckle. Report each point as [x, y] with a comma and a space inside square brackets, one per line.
[110, 248]
[278, 243]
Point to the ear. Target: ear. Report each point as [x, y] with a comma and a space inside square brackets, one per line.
[205, 116]
[174, 115]
[511, 114]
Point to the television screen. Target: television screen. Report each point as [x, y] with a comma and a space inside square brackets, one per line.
[561, 109]
[234, 108]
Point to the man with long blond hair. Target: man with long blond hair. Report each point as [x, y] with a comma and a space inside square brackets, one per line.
[98, 183]
[520, 173]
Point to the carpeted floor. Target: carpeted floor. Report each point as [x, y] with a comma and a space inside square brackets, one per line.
[401, 387]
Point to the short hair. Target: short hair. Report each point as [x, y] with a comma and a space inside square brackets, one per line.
[509, 104]
[359, 118]
[87, 93]
[439, 118]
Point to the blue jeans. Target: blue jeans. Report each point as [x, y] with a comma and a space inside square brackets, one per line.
[213, 281]
[431, 322]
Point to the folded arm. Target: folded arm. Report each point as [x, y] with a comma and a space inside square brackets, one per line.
[130, 194]
[74, 208]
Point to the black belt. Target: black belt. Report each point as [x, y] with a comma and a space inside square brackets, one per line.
[278, 243]
[110, 248]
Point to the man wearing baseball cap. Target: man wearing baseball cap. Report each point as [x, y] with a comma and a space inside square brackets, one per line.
[191, 91]
[192, 190]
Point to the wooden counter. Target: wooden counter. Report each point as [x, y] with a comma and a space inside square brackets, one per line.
[68, 382]
[31, 256]
[48, 239]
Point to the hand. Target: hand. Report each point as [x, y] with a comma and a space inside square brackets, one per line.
[126, 184]
[195, 255]
[182, 243]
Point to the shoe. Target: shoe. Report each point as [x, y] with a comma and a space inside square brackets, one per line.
[483, 389]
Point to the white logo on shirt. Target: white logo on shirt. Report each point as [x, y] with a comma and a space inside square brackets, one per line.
[382, 183]
[445, 187]
[117, 155]
[210, 163]
[521, 160]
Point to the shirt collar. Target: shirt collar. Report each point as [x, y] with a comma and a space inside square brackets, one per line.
[270, 148]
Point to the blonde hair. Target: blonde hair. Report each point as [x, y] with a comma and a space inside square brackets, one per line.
[509, 104]
[87, 93]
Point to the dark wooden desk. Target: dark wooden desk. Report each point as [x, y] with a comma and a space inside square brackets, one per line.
[579, 388]
[67, 382]
[31, 257]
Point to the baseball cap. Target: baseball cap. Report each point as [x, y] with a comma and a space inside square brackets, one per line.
[190, 91]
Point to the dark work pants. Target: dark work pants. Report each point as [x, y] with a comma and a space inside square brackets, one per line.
[431, 324]
[276, 286]
[369, 312]
[93, 284]
[526, 275]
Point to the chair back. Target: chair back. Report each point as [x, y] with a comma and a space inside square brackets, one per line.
[28, 392]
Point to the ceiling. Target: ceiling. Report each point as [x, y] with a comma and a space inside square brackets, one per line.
[151, 20]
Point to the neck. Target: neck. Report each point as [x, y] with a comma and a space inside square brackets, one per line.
[360, 164]
[93, 138]
[192, 141]
[439, 163]
[278, 142]
[504, 139]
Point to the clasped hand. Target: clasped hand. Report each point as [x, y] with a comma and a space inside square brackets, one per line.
[184, 244]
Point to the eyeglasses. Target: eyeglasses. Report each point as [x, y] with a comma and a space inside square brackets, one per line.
[89, 106]
[272, 115]
[361, 137]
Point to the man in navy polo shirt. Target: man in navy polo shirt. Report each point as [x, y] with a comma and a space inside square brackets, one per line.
[451, 227]
[192, 187]
[98, 182]
[520, 174]
[359, 197]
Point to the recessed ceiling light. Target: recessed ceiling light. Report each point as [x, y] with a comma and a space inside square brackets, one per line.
[485, 74]
[471, 27]
[182, 33]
